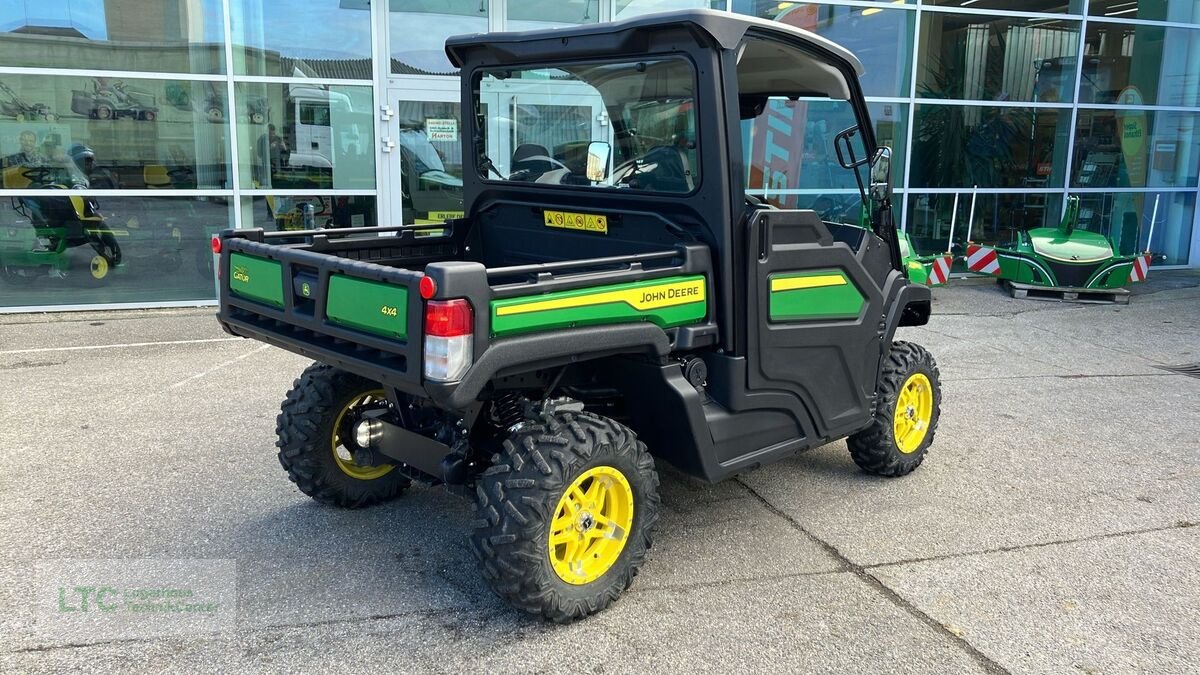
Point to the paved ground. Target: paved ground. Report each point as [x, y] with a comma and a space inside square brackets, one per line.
[1052, 529]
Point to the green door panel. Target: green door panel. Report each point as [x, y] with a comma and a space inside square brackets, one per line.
[814, 294]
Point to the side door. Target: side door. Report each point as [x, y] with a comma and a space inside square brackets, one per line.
[816, 319]
[815, 316]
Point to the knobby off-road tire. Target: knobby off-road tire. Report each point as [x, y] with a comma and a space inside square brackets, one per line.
[521, 494]
[307, 448]
[910, 388]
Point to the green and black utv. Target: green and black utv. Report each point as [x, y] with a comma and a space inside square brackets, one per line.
[584, 320]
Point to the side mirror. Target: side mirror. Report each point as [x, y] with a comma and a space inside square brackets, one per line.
[881, 174]
[597, 160]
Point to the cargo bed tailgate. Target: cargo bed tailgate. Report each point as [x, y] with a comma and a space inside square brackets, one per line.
[361, 316]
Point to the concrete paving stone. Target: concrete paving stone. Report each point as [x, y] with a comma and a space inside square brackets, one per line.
[1026, 462]
[1122, 604]
[832, 623]
[77, 329]
[734, 539]
[168, 452]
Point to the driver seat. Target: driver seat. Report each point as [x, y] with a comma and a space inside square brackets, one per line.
[533, 158]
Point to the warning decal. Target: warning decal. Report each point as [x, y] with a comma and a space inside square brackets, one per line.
[576, 221]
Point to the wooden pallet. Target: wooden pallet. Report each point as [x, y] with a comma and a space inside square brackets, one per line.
[1103, 296]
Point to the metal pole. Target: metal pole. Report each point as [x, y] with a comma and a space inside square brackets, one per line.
[953, 220]
[1153, 217]
[971, 217]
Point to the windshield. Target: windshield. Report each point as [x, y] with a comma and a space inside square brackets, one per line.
[536, 125]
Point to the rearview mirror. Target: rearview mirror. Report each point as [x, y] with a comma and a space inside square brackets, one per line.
[881, 174]
[597, 160]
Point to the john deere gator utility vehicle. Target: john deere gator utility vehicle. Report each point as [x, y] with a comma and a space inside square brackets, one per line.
[580, 323]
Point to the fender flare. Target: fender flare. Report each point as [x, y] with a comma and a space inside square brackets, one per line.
[911, 307]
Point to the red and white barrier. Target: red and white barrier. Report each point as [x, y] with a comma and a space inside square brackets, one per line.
[939, 271]
[1141, 268]
[982, 259]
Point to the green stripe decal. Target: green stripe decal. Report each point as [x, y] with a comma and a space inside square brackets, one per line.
[256, 278]
[370, 306]
[814, 294]
[674, 301]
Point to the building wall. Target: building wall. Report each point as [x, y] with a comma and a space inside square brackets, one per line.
[205, 114]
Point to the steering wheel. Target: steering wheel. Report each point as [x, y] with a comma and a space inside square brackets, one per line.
[38, 174]
[528, 174]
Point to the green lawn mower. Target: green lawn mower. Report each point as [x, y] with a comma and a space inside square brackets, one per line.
[55, 236]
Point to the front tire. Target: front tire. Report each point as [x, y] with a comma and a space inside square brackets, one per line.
[906, 415]
[566, 515]
[314, 429]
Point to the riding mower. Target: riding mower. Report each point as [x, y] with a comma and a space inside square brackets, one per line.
[56, 236]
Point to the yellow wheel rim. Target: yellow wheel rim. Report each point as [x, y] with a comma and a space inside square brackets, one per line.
[591, 525]
[914, 413]
[342, 454]
[99, 267]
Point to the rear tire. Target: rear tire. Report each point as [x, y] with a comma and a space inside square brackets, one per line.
[601, 537]
[310, 437]
[909, 389]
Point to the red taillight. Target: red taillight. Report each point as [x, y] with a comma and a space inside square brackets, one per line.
[427, 287]
[216, 245]
[448, 318]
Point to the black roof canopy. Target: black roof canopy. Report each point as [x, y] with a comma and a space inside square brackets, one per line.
[717, 30]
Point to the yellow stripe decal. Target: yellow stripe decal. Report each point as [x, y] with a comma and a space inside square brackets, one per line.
[814, 281]
[641, 299]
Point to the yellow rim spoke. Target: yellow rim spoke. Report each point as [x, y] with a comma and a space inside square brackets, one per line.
[913, 414]
[591, 525]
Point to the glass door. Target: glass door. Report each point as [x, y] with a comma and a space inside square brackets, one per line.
[423, 153]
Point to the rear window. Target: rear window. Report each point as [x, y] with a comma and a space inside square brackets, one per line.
[536, 125]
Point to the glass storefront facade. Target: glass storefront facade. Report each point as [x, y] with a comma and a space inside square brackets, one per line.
[132, 131]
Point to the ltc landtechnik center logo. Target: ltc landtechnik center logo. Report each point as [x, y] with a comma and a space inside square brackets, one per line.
[85, 601]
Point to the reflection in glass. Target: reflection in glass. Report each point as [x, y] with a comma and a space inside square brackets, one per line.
[539, 122]
[307, 212]
[166, 36]
[431, 171]
[1182, 11]
[989, 58]
[419, 28]
[1040, 6]
[998, 218]
[538, 14]
[113, 133]
[791, 159]
[302, 38]
[309, 136]
[881, 39]
[75, 250]
[1126, 217]
[630, 8]
[1136, 148]
[1140, 65]
[992, 147]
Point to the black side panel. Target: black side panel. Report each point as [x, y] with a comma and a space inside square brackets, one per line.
[667, 414]
[828, 364]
